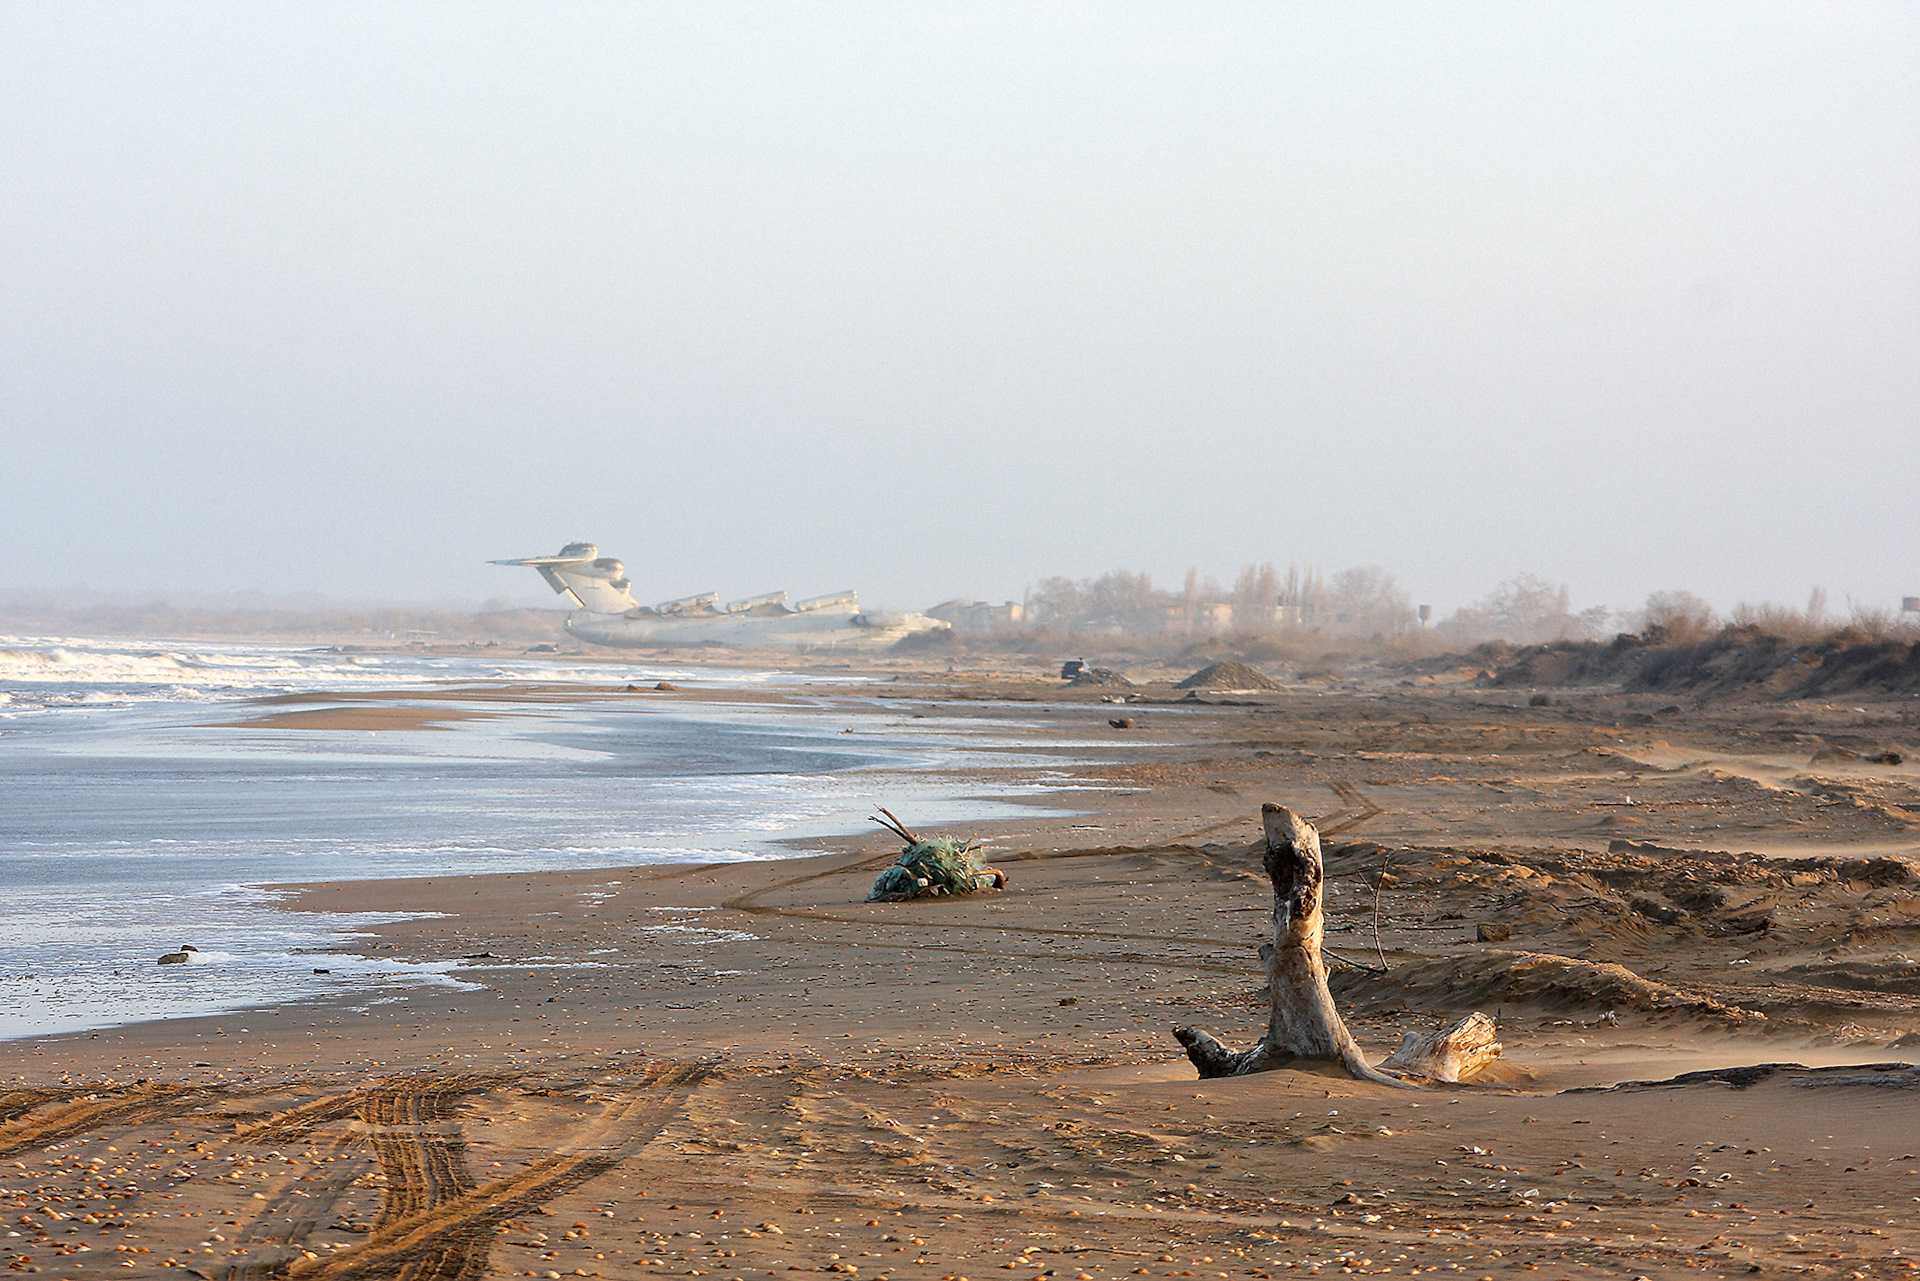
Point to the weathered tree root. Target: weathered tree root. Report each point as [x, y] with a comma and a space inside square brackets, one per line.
[1303, 1026]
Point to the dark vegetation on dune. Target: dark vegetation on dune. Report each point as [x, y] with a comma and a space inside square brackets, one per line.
[1736, 660]
[1740, 658]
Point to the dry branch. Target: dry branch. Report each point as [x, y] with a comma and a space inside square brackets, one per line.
[894, 825]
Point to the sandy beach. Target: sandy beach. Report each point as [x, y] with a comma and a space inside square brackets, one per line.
[744, 1070]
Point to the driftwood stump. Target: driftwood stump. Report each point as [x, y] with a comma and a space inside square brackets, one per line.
[1453, 1053]
[1303, 1027]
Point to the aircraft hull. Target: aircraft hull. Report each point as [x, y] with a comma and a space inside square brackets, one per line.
[802, 632]
[608, 615]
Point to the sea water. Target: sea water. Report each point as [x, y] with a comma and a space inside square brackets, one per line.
[139, 811]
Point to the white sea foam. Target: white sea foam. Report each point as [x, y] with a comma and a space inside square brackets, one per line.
[140, 803]
[57, 671]
[73, 962]
[699, 937]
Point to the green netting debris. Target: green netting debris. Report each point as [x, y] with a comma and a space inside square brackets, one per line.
[926, 868]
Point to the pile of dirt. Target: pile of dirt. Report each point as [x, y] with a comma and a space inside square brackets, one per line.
[1891, 974]
[1104, 677]
[1879, 871]
[1228, 675]
[1727, 939]
[1551, 983]
[1697, 893]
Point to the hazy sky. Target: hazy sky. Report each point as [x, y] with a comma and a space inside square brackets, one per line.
[938, 299]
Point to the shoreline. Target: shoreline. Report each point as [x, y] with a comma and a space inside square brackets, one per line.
[687, 1054]
[1139, 810]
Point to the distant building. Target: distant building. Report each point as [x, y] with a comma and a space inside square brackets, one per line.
[980, 617]
[1209, 618]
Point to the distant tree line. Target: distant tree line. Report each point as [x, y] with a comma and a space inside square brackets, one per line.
[1364, 601]
[1288, 611]
[1368, 603]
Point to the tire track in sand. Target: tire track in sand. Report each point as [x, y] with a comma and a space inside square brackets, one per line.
[142, 1103]
[421, 1167]
[274, 1239]
[15, 1104]
[295, 1123]
[1359, 810]
[435, 1223]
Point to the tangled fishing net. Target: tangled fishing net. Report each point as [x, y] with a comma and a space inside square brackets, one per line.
[939, 865]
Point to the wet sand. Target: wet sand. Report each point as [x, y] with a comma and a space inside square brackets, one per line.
[744, 1070]
[371, 719]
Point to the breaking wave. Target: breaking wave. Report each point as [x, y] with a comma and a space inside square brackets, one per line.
[38, 672]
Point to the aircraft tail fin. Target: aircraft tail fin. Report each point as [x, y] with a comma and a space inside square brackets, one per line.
[595, 583]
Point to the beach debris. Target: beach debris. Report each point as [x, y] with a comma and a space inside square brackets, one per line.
[931, 867]
[1492, 932]
[1101, 676]
[179, 957]
[1451, 1053]
[1843, 756]
[1229, 675]
[1654, 910]
[1303, 1025]
[1124, 722]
